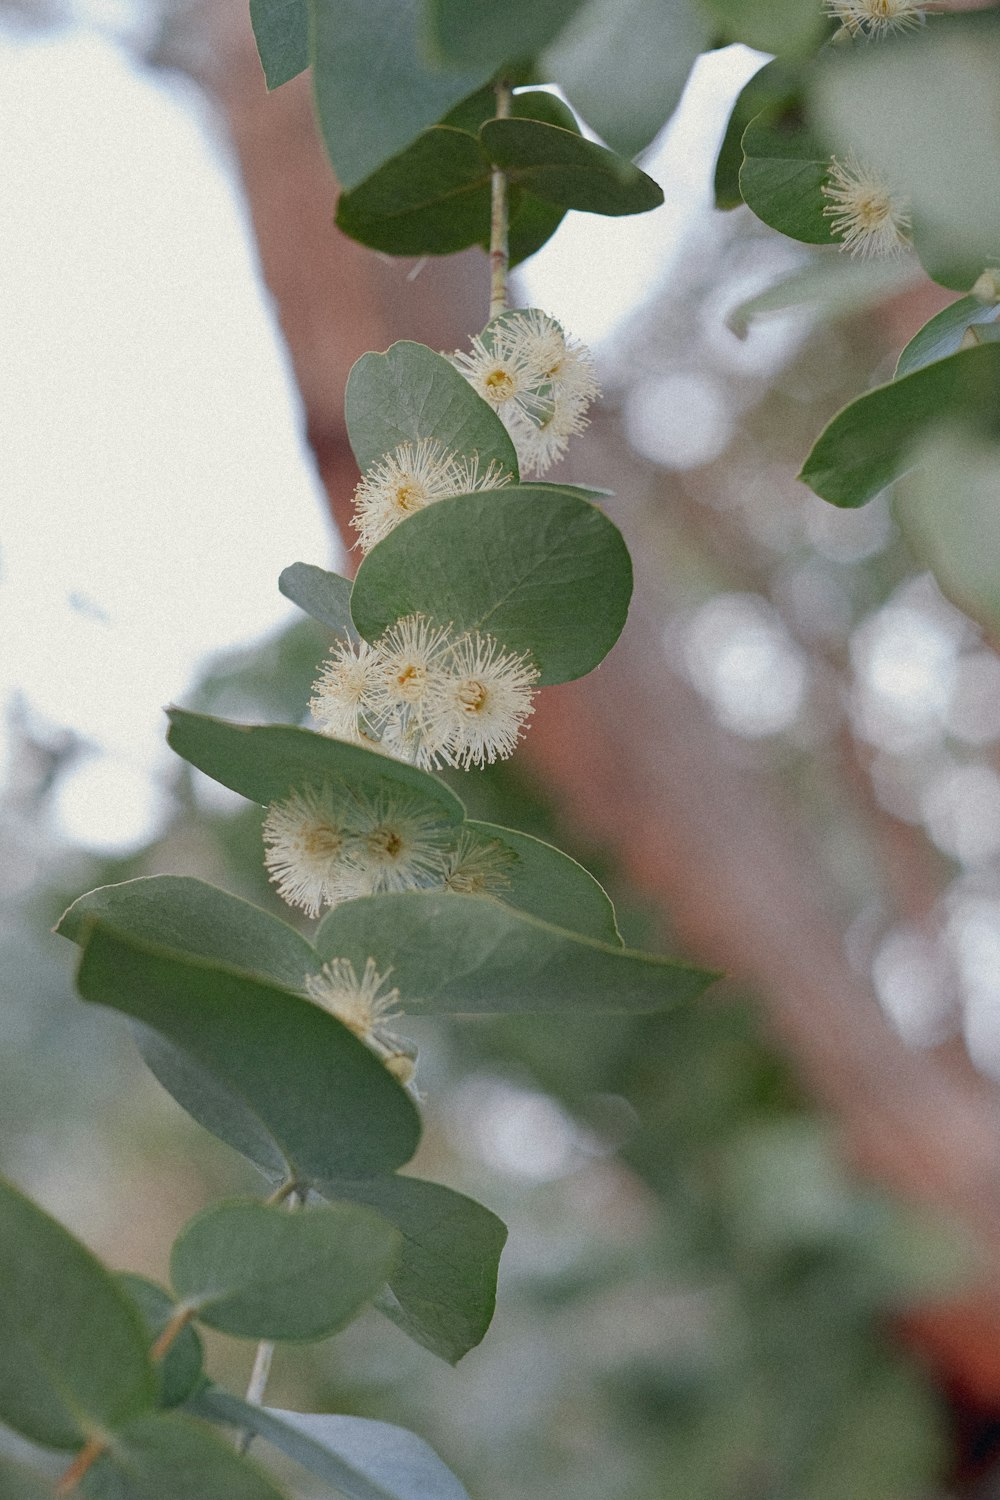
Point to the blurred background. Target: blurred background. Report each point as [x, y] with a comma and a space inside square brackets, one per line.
[753, 1244]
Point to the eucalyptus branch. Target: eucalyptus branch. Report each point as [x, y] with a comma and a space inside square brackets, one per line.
[499, 252]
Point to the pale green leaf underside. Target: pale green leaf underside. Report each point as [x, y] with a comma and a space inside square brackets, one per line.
[365, 1460]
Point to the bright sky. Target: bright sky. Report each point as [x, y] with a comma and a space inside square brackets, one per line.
[153, 478]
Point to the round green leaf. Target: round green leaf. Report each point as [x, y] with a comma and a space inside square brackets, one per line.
[774, 88]
[364, 1460]
[769, 25]
[870, 443]
[544, 572]
[784, 169]
[949, 513]
[410, 393]
[433, 199]
[169, 1456]
[189, 916]
[256, 1271]
[466, 954]
[281, 31]
[561, 167]
[654, 47]
[73, 1355]
[327, 1104]
[374, 92]
[464, 35]
[267, 762]
[443, 1291]
[548, 884]
[179, 1371]
[325, 596]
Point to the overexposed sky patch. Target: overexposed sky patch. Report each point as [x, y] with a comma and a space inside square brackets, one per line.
[153, 474]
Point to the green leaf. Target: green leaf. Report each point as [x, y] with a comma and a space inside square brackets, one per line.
[19, 1483]
[256, 1271]
[170, 1456]
[654, 47]
[541, 570]
[947, 509]
[532, 224]
[455, 954]
[364, 1460]
[179, 1371]
[561, 167]
[410, 393]
[782, 176]
[267, 762]
[443, 1291]
[281, 30]
[548, 884]
[944, 333]
[73, 1354]
[786, 26]
[374, 93]
[461, 35]
[189, 916]
[870, 443]
[328, 1104]
[774, 90]
[325, 596]
[924, 117]
[434, 199]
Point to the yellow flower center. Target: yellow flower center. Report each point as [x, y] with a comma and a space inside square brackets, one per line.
[472, 695]
[499, 384]
[409, 496]
[411, 681]
[385, 843]
[321, 841]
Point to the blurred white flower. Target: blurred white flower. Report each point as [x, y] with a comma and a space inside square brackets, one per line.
[862, 210]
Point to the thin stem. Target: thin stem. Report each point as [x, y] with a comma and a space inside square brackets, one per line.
[179, 1320]
[290, 1193]
[91, 1450]
[499, 255]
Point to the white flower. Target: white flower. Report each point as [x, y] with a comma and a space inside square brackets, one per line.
[406, 691]
[395, 844]
[486, 703]
[539, 383]
[307, 851]
[476, 867]
[862, 210]
[413, 476]
[876, 17]
[343, 690]
[364, 1006]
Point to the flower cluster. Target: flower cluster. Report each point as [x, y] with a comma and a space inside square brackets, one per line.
[410, 478]
[331, 844]
[539, 383]
[862, 210]
[426, 695]
[327, 845]
[365, 1007]
[876, 17]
